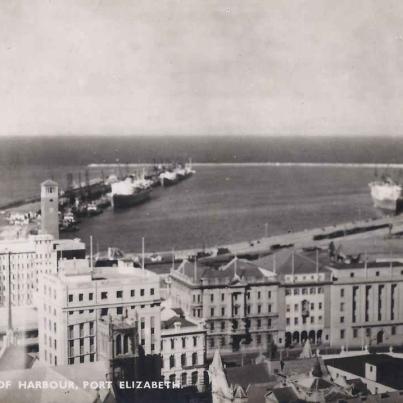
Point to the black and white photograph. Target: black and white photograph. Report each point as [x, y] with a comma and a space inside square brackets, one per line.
[201, 201]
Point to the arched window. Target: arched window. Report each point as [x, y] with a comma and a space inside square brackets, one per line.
[118, 344]
[184, 378]
[194, 377]
[171, 361]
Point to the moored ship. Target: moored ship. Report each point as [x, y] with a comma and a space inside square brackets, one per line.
[387, 195]
[128, 193]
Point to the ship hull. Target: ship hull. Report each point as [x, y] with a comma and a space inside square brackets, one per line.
[169, 182]
[126, 201]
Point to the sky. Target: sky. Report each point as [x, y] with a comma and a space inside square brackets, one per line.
[203, 67]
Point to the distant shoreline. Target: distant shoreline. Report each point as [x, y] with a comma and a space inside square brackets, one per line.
[259, 164]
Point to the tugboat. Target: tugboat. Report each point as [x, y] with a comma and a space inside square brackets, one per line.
[93, 210]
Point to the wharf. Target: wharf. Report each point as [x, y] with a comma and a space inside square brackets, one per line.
[355, 231]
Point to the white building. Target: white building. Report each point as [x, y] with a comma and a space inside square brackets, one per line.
[23, 261]
[183, 349]
[71, 302]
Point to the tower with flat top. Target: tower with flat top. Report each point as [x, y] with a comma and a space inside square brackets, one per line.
[50, 208]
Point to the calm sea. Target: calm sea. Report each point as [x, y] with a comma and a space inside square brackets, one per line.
[219, 204]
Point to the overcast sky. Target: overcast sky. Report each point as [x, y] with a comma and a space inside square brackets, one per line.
[201, 67]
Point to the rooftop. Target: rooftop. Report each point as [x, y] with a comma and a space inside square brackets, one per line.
[389, 369]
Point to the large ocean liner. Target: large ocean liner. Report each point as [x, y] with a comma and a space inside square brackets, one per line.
[387, 194]
[129, 192]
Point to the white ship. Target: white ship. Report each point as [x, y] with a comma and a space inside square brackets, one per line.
[386, 194]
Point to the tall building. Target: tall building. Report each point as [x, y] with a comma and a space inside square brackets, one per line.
[72, 302]
[239, 303]
[23, 261]
[50, 208]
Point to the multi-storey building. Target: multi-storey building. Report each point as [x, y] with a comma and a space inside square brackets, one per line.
[304, 287]
[183, 349]
[239, 303]
[23, 261]
[365, 305]
[73, 301]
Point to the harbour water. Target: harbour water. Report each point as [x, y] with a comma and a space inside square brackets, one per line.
[220, 204]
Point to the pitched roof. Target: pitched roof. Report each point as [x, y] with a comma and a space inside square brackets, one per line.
[248, 375]
[303, 263]
[49, 182]
[285, 395]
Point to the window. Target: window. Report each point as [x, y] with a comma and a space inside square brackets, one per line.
[258, 295]
[269, 308]
[104, 295]
[269, 294]
[295, 321]
[142, 292]
[119, 310]
[351, 274]
[296, 307]
[258, 339]
[151, 291]
[377, 273]
[194, 341]
[171, 361]
[269, 322]
[81, 359]
[211, 297]
[183, 360]
[223, 326]
[172, 344]
[222, 311]
[80, 297]
[288, 321]
[212, 326]
[342, 333]
[312, 319]
[287, 292]
[184, 378]
[70, 297]
[320, 305]
[212, 312]
[259, 309]
[312, 290]
[222, 297]
[183, 342]
[81, 311]
[304, 291]
[341, 292]
[194, 359]
[258, 323]
[341, 319]
[296, 291]
[194, 377]
[104, 311]
[393, 330]
[341, 306]
[90, 296]
[288, 308]
[355, 333]
[119, 294]
[312, 306]
[132, 293]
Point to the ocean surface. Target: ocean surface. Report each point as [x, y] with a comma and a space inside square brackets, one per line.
[220, 203]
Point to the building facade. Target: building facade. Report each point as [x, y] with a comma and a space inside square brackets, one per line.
[23, 261]
[239, 304]
[71, 303]
[183, 350]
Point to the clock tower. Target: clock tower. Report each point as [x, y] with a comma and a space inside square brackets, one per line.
[50, 208]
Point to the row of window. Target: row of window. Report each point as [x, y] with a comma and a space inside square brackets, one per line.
[312, 306]
[304, 320]
[104, 294]
[304, 291]
[80, 359]
[183, 361]
[184, 342]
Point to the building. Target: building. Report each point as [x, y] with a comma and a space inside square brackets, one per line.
[50, 208]
[366, 308]
[239, 303]
[381, 373]
[183, 349]
[304, 283]
[72, 302]
[23, 261]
